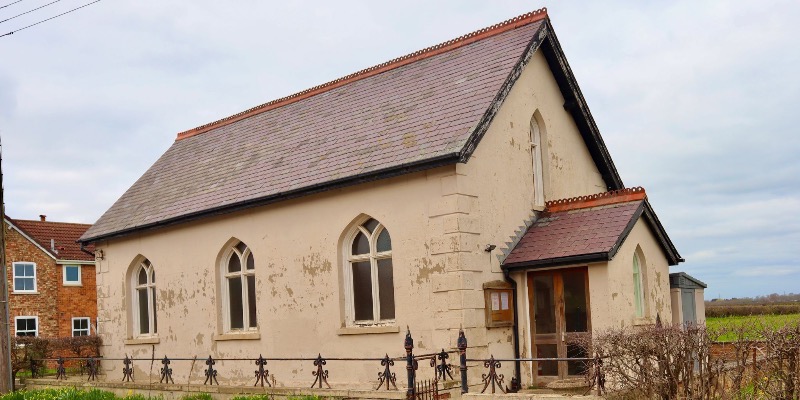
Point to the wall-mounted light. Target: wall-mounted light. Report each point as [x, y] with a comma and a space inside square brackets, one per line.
[98, 255]
[489, 248]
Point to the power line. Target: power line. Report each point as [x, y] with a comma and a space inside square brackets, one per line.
[48, 19]
[29, 11]
[10, 4]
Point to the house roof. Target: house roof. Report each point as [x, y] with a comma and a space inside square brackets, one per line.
[63, 234]
[424, 110]
[586, 229]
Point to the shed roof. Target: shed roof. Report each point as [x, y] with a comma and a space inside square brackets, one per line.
[586, 229]
[420, 111]
[685, 281]
[64, 236]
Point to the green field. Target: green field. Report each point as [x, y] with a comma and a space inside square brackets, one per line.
[753, 322]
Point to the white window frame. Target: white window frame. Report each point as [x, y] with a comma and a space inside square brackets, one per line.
[88, 325]
[242, 274]
[16, 324]
[64, 275]
[150, 286]
[14, 274]
[373, 258]
[638, 287]
[537, 163]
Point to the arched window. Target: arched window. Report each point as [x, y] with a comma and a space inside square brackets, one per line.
[368, 274]
[144, 299]
[538, 165]
[638, 286]
[239, 289]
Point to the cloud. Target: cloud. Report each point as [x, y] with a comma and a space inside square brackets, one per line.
[693, 100]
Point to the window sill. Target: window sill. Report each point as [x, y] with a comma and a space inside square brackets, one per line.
[21, 292]
[238, 336]
[367, 330]
[73, 284]
[643, 321]
[146, 340]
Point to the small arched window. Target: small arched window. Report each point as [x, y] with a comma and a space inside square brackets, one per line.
[538, 165]
[144, 295]
[369, 274]
[638, 286]
[239, 289]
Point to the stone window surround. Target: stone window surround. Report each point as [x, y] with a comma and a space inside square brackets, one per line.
[150, 286]
[377, 325]
[247, 333]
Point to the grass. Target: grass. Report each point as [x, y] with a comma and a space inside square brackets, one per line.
[96, 394]
[752, 322]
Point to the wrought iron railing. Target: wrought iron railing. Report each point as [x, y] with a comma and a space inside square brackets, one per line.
[441, 370]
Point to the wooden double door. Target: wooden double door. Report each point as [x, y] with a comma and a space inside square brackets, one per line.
[559, 313]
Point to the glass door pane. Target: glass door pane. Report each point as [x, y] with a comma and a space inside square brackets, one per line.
[544, 304]
[576, 315]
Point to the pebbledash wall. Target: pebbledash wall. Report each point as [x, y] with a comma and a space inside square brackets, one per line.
[440, 222]
[53, 303]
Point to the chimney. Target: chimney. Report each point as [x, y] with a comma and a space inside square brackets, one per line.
[42, 217]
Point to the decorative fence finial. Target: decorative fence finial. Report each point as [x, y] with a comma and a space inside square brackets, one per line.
[387, 376]
[211, 373]
[262, 375]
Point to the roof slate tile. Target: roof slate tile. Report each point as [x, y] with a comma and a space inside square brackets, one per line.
[416, 112]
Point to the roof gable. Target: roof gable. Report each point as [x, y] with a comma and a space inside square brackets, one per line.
[421, 111]
[586, 229]
[62, 235]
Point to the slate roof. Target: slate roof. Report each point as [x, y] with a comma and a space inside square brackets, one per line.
[585, 229]
[65, 235]
[424, 110]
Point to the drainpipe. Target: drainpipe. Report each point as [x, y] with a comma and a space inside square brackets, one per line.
[509, 279]
[83, 249]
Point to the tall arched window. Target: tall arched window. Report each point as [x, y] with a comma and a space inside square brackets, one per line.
[239, 289]
[638, 286]
[369, 275]
[538, 165]
[144, 295]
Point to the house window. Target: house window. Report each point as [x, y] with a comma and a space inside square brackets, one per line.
[638, 287]
[26, 326]
[239, 289]
[538, 165]
[24, 277]
[144, 299]
[369, 275]
[80, 326]
[72, 275]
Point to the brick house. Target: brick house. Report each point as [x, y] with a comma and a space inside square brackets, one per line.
[51, 280]
[463, 186]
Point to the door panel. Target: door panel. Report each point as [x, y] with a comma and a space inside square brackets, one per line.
[687, 298]
[559, 304]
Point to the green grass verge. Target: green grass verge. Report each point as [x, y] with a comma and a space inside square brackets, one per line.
[96, 394]
[751, 322]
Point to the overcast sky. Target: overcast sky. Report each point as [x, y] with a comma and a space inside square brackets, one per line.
[695, 100]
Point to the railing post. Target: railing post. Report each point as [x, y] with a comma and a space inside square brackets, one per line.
[33, 368]
[409, 346]
[462, 359]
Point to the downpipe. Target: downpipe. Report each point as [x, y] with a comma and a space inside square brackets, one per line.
[515, 330]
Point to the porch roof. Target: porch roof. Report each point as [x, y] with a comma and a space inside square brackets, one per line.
[586, 229]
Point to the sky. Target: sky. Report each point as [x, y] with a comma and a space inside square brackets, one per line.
[695, 100]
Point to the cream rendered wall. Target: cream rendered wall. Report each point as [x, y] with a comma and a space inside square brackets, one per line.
[621, 310]
[440, 221]
[296, 245]
[499, 177]
[677, 305]
[700, 305]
